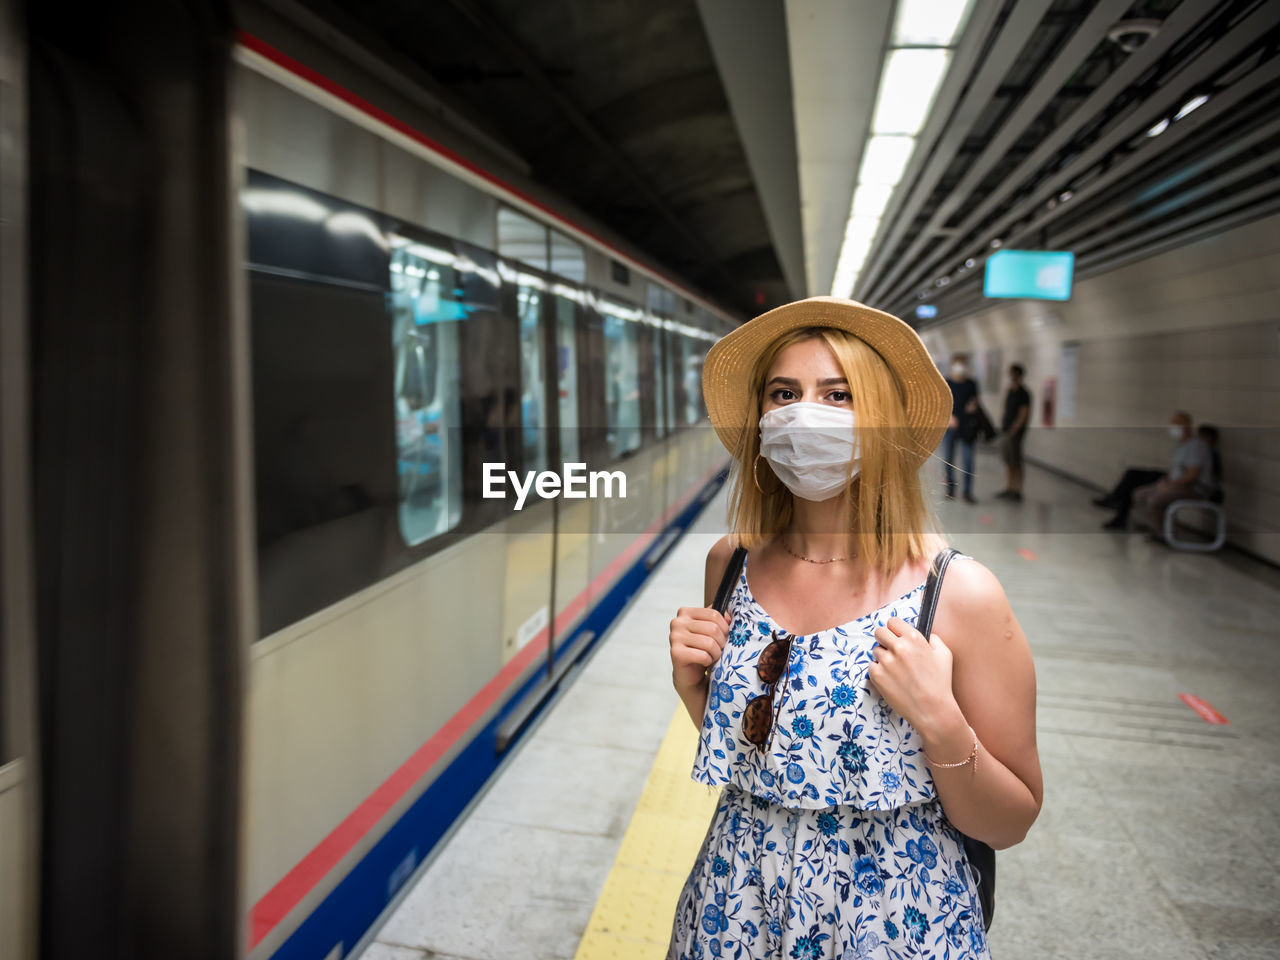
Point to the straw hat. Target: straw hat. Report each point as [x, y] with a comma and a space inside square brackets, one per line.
[726, 374]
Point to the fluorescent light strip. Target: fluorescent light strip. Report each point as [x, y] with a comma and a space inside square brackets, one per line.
[870, 199]
[923, 33]
[884, 159]
[908, 84]
[928, 23]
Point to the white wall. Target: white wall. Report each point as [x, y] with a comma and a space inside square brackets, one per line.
[1196, 329]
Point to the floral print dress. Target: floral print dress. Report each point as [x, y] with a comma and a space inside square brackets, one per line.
[831, 844]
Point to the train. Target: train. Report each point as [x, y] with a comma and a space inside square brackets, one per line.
[402, 320]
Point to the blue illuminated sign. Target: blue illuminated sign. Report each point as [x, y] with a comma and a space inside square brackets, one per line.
[926, 311]
[1030, 274]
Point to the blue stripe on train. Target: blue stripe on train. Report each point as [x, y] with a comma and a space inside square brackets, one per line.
[345, 915]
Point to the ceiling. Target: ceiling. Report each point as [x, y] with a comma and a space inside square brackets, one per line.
[724, 137]
[616, 106]
[1077, 147]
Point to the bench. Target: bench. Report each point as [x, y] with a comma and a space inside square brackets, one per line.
[1211, 504]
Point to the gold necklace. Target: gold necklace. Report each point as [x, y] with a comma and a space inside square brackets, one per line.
[799, 556]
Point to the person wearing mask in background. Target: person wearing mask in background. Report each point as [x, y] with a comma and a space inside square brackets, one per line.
[962, 428]
[1017, 412]
[1191, 475]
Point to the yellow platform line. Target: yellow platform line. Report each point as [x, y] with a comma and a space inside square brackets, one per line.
[632, 919]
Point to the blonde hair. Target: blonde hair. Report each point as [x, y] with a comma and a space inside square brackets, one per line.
[889, 518]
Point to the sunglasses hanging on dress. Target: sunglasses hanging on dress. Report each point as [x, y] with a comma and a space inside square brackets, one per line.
[758, 718]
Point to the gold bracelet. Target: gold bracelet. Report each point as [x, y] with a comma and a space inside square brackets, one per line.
[971, 758]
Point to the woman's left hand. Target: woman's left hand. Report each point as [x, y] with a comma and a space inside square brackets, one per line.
[911, 673]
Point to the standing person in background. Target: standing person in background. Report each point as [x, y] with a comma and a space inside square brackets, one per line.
[962, 428]
[1017, 413]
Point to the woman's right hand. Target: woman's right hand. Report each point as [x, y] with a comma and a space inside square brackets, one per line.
[698, 635]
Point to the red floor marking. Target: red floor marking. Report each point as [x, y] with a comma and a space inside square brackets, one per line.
[1026, 554]
[986, 518]
[1203, 707]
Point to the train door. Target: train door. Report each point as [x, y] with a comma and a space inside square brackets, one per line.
[667, 469]
[573, 517]
[530, 527]
[18, 826]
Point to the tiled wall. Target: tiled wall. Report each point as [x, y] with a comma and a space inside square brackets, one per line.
[1196, 329]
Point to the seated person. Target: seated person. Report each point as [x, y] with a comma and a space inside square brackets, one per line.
[1191, 475]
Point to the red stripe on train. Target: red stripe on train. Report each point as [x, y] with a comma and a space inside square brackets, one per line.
[277, 902]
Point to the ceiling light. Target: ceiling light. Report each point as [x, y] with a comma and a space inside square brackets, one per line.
[1193, 104]
[1065, 195]
[1159, 128]
[907, 87]
[885, 159]
[928, 23]
[858, 235]
[997, 243]
[860, 231]
[870, 199]
[970, 263]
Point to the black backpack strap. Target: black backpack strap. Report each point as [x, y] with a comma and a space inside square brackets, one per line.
[729, 580]
[981, 857]
[932, 587]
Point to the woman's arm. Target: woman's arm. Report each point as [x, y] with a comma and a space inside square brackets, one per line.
[981, 676]
[698, 635]
[994, 692]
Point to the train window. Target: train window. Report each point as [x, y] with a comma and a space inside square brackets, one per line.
[691, 353]
[659, 388]
[522, 238]
[661, 307]
[620, 273]
[567, 374]
[533, 390]
[622, 376]
[568, 258]
[426, 310]
[672, 375]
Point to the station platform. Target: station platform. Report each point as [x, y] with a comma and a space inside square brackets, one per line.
[1159, 835]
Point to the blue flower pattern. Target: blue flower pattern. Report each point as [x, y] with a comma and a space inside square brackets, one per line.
[832, 844]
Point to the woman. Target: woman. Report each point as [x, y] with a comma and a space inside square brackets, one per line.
[847, 784]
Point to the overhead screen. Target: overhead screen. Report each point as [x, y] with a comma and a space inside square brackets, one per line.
[1030, 274]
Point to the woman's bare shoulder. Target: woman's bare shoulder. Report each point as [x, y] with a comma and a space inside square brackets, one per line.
[717, 562]
[972, 604]
[970, 586]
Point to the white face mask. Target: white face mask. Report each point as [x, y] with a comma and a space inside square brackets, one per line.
[958, 370]
[810, 446]
[1175, 431]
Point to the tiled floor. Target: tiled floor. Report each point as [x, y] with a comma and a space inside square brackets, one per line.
[1160, 833]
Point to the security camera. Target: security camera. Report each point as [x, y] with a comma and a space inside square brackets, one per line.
[1129, 35]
